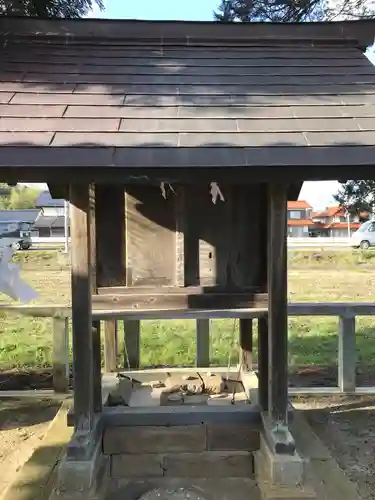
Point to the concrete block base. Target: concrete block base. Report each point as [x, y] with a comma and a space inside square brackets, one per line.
[82, 478]
[281, 477]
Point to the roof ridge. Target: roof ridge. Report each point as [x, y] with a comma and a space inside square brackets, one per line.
[358, 33]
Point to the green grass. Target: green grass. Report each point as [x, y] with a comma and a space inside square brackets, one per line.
[313, 276]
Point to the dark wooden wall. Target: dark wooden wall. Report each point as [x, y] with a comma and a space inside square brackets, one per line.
[184, 239]
[150, 236]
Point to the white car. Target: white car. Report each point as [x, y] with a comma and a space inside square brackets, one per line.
[364, 237]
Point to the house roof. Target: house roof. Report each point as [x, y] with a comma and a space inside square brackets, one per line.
[343, 225]
[45, 200]
[137, 94]
[298, 205]
[8, 216]
[329, 212]
[300, 222]
[49, 221]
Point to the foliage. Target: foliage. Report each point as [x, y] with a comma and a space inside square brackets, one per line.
[357, 196]
[294, 10]
[49, 8]
[19, 197]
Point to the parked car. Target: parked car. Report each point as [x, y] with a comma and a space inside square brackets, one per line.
[13, 236]
[364, 237]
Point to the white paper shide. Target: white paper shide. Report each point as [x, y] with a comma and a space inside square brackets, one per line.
[10, 281]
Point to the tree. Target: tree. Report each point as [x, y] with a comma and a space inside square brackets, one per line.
[357, 196]
[18, 197]
[294, 10]
[49, 8]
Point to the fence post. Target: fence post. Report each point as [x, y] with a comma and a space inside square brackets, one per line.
[60, 354]
[132, 343]
[110, 345]
[347, 354]
[203, 343]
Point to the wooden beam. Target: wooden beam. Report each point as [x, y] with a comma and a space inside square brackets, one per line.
[277, 305]
[246, 344]
[180, 301]
[81, 307]
[179, 290]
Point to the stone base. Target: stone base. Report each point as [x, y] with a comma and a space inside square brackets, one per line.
[281, 477]
[77, 479]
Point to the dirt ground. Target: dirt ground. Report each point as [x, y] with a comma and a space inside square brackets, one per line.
[23, 424]
[346, 425]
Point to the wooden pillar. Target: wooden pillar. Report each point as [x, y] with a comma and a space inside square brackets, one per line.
[277, 306]
[132, 344]
[203, 343]
[347, 354]
[81, 307]
[110, 253]
[110, 345]
[246, 344]
[263, 362]
[60, 358]
[96, 337]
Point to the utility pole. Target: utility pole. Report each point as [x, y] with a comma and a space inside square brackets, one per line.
[348, 221]
[66, 225]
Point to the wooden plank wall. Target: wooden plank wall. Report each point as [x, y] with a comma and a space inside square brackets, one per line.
[184, 239]
[227, 234]
[151, 236]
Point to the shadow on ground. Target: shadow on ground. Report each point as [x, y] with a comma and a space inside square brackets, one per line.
[16, 413]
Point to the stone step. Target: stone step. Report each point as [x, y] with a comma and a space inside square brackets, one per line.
[195, 465]
[180, 439]
[228, 488]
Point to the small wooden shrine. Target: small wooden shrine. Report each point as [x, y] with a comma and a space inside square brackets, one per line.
[178, 145]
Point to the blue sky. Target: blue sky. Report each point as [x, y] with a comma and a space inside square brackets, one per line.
[318, 194]
[187, 10]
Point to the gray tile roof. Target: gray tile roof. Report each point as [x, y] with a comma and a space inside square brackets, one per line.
[49, 221]
[45, 200]
[167, 101]
[19, 215]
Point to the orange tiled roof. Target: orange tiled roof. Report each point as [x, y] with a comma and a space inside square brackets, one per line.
[329, 212]
[342, 225]
[299, 204]
[300, 222]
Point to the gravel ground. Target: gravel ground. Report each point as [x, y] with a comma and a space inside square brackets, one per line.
[346, 425]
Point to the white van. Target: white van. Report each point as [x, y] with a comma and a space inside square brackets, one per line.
[364, 237]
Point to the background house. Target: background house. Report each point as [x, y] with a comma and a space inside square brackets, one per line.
[50, 221]
[299, 218]
[335, 223]
[20, 220]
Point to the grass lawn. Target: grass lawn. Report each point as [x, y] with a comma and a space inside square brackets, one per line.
[313, 276]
